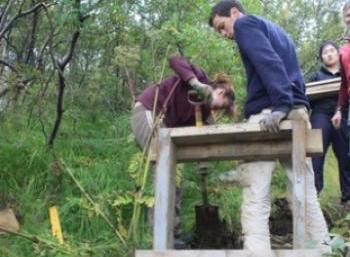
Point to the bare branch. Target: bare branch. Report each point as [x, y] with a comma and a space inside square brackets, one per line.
[19, 15]
[31, 45]
[4, 14]
[131, 83]
[60, 66]
[42, 51]
[8, 65]
[69, 55]
[4, 92]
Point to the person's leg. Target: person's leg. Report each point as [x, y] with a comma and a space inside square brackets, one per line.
[341, 150]
[256, 204]
[321, 121]
[316, 226]
[255, 211]
[141, 124]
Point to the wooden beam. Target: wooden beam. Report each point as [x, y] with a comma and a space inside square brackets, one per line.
[234, 151]
[235, 141]
[324, 88]
[227, 253]
[164, 211]
[259, 150]
[299, 185]
[314, 142]
[239, 132]
[323, 82]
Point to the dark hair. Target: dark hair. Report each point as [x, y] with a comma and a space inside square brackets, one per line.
[323, 45]
[223, 8]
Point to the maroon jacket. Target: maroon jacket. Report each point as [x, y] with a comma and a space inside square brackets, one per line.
[344, 93]
[179, 112]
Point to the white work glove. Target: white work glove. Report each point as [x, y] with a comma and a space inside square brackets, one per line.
[203, 90]
[271, 122]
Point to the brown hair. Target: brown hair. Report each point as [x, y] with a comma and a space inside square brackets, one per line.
[222, 80]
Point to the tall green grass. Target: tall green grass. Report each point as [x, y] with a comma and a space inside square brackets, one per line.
[98, 150]
[32, 179]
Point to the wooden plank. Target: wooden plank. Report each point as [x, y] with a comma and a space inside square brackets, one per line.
[227, 132]
[164, 209]
[204, 147]
[263, 150]
[314, 142]
[234, 151]
[227, 253]
[323, 82]
[299, 185]
[324, 88]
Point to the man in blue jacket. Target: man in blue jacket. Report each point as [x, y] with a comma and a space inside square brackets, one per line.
[275, 91]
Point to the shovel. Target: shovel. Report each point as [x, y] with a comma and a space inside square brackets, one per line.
[208, 224]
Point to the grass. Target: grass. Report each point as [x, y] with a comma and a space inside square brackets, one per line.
[331, 179]
[32, 180]
[99, 152]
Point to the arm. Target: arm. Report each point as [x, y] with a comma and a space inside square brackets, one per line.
[257, 48]
[186, 70]
[192, 75]
[343, 94]
[342, 98]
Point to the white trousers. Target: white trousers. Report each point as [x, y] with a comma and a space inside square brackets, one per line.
[255, 212]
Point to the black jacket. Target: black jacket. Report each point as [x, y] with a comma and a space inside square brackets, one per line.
[324, 105]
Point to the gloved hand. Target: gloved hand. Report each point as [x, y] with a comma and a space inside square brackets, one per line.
[203, 90]
[271, 122]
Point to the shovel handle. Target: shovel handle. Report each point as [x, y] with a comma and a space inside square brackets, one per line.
[192, 98]
[198, 115]
[204, 179]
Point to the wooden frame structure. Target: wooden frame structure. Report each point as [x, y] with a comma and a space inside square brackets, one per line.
[324, 88]
[243, 141]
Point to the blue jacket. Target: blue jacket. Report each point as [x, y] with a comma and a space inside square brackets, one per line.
[274, 78]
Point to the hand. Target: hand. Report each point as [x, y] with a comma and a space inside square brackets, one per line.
[271, 123]
[336, 119]
[203, 90]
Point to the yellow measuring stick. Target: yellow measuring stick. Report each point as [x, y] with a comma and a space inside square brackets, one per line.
[55, 224]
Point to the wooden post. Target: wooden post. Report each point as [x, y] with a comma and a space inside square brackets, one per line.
[164, 210]
[299, 185]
